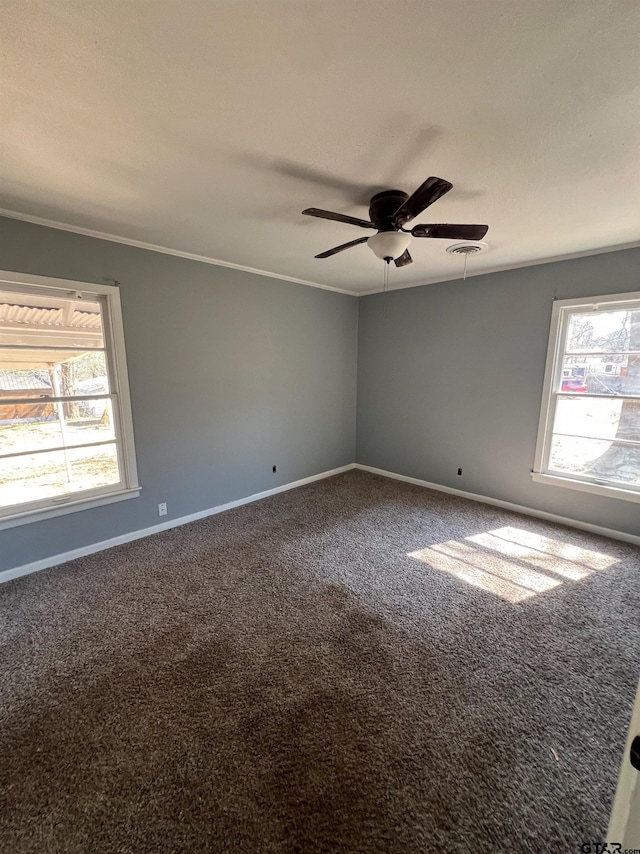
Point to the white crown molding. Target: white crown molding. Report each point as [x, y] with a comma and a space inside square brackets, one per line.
[205, 259]
[165, 250]
[92, 548]
[470, 274]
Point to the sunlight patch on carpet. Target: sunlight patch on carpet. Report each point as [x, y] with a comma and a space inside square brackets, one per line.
[507, 562]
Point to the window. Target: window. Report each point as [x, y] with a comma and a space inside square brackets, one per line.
[589, 434]
[66, 435]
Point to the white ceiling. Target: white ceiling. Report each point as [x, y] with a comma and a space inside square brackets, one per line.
[206, 127]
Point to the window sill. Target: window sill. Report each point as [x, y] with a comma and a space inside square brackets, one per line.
[585, 486]
[71, 506]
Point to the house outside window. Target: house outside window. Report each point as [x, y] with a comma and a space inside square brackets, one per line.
[589, 431]
[66, 432]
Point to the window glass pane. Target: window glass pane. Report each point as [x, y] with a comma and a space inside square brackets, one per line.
[37, 476]
[596, 459]
[573, 375]
[52, 373]
[88, 421]
[29, 427]
[38, 426]
[608, 331]
[64, 322]
[608, 418]
[76, 376]
[84, 375]
[614, 373]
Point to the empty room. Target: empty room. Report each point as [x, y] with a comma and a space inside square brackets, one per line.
[319, 426]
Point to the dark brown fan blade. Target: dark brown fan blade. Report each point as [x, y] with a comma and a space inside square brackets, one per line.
[450, 232]
[425, 195]
[340, 248]
[404, 259]
[338, 217]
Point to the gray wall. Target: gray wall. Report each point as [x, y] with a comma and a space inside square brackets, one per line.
[230, 373]
[453, 377]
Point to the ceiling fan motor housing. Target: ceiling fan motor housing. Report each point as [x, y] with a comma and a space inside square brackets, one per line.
[383, 208]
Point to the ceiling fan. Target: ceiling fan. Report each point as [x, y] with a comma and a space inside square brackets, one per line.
[389, 211]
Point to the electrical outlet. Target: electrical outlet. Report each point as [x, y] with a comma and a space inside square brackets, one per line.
[459, 472]
[162, 509]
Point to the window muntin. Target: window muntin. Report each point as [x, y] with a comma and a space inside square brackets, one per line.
[590, 421]
[65, 424]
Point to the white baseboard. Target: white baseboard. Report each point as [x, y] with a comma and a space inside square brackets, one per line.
[55, 560]
[508, 505]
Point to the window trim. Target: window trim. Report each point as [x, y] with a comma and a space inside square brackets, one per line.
[113, 331]
[553, 371]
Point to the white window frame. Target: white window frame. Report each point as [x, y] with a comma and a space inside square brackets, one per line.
[562, 310]
[113, 332]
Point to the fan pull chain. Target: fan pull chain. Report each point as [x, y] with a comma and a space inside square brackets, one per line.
[385, 288]
[464, 274]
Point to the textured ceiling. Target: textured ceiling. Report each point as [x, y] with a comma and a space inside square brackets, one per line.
[206, 127]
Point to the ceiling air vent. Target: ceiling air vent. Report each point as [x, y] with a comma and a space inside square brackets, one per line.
[466, 248]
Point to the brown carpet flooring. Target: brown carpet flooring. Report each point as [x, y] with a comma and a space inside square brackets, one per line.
[285, 677]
